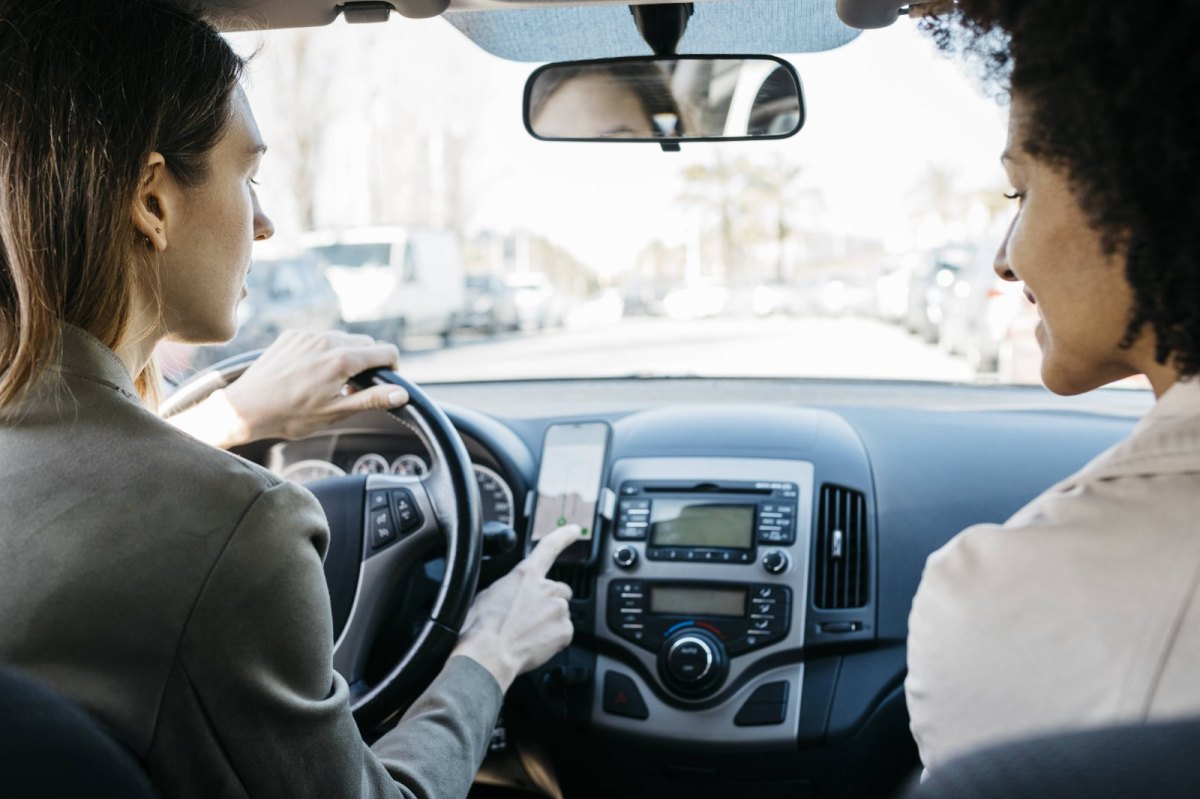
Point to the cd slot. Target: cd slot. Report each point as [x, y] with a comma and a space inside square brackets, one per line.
[706, 488]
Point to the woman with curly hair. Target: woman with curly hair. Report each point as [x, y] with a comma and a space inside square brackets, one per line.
[1083, 609]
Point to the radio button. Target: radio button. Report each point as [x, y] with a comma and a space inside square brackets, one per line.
[763, 592]
[630, 533]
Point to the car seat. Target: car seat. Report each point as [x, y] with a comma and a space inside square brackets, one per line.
[51, 748]
[1157, 760]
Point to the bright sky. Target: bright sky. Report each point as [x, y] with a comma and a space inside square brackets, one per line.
[881, 110]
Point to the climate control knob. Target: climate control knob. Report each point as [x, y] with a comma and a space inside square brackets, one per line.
[690, 659]
[693, 663]
[776, 561]
[625, 557]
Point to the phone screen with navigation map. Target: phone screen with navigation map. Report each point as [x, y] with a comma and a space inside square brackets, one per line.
[568, 486]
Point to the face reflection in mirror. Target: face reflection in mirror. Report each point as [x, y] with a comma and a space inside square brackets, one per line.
[659, 98]
[604, 102]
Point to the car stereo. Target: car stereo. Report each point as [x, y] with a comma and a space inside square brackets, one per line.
[715, 522]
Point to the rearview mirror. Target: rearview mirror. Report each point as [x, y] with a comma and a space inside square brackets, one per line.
[665, 99]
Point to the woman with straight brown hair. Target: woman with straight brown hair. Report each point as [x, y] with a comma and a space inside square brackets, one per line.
[174, 591]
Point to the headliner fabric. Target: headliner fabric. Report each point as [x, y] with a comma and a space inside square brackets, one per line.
[733, 26]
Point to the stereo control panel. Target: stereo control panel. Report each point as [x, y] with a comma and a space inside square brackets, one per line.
[702, 575]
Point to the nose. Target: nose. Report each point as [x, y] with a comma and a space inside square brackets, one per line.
[264, 228]
[1000, 264]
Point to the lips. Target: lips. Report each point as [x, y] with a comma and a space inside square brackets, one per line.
[1029, 296]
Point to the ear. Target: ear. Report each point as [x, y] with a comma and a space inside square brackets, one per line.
[154, 203]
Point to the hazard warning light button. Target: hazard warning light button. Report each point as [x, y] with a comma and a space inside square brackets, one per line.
[622, 698]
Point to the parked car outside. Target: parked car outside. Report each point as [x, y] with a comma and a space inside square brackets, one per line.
[285, 294]
[394, 282]
[935, 272]
[892, 289]
[490, 306]
[976, 309]
[537, 302]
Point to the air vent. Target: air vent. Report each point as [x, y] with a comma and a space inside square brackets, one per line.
[574, 575]
[840, 579]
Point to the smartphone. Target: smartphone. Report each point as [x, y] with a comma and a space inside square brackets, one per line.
[570, 477]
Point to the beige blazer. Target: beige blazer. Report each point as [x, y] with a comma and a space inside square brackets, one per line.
[1081, 610]
[176, 592]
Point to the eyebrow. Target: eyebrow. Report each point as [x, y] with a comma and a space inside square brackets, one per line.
[1006, 156]
[256, 149]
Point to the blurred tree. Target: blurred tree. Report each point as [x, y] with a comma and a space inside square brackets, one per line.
[299, 79]
[754, 202]
[718, 189]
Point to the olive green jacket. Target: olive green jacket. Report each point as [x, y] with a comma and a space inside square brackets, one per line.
[176, 592]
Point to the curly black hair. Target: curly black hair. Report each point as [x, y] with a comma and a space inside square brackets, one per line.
[1113, 91]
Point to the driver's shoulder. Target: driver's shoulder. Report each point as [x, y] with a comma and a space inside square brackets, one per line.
[234, 493]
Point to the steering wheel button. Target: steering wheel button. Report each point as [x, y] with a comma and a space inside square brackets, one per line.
[405, 508]
[379, 500]
[382, 534]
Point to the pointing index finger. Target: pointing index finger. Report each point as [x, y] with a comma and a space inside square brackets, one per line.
[549, 548]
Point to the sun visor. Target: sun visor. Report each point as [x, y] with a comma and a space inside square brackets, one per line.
[608, 31]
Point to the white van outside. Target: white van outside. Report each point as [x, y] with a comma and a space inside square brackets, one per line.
[393, 282]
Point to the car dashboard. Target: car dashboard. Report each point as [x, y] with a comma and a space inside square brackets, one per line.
[770, 658]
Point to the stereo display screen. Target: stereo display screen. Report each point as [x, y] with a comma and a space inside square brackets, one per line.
[683, 523]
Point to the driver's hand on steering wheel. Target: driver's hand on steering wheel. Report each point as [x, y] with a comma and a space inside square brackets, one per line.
[297, 386]
[521, 620]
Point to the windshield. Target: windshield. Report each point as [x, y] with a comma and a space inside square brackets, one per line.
[860, 248]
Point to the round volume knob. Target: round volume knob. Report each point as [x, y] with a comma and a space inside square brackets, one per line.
[775, 561]
[693, 663]
[625, 557]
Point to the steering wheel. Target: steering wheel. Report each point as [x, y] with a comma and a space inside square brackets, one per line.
[379, 526]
